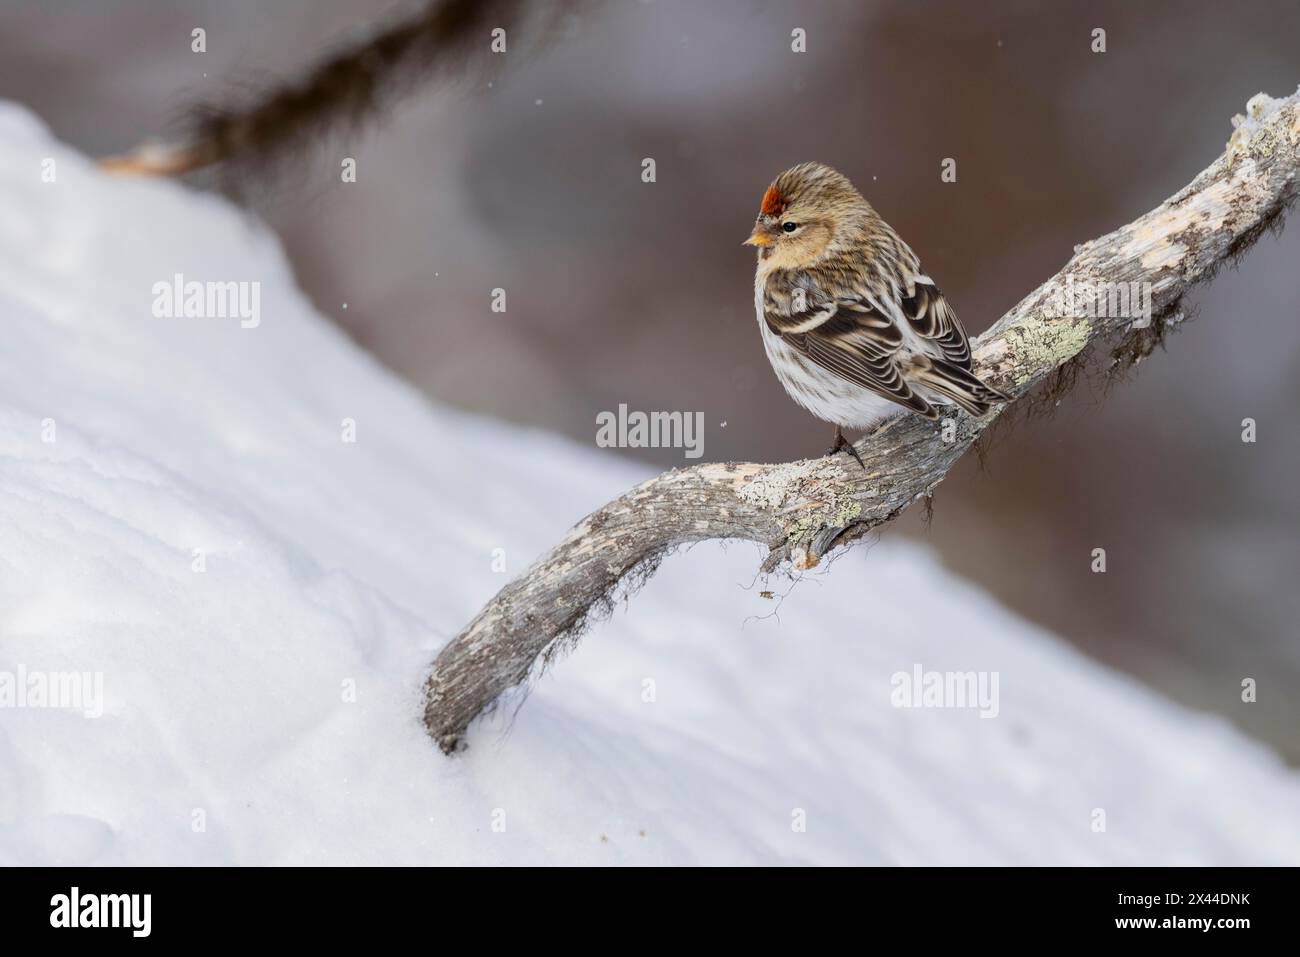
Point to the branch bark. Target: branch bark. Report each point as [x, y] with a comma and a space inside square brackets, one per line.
[803, 510]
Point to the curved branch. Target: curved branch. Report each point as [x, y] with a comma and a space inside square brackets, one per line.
[802, 510]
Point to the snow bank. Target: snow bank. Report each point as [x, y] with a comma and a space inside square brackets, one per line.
[265, 709]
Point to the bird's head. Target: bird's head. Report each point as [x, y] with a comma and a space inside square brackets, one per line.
[807, 212]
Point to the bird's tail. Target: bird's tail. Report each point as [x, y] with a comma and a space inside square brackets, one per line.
[950, 381]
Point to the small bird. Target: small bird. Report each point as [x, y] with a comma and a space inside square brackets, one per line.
[853, 327]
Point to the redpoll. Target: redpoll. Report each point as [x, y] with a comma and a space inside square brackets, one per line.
[855, 330]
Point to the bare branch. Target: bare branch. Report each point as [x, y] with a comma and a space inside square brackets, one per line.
[802, 510]
[344, 90]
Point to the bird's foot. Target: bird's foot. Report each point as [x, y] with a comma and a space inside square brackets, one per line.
[843, 444]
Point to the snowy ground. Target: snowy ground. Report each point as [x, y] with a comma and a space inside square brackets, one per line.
[229, 733]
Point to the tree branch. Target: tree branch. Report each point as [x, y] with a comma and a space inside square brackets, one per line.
[348, 88]
[802, 510]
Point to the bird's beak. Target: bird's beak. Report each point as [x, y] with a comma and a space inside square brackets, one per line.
[758, 237]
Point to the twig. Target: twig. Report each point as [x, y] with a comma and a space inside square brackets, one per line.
[344, 90]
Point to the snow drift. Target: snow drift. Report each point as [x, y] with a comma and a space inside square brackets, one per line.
[183, 518]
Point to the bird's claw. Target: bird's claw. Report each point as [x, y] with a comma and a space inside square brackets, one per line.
[843, 444]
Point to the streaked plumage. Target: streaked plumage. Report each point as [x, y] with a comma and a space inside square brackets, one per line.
[853, 327]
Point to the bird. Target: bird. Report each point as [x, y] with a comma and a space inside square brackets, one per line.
[854, 328]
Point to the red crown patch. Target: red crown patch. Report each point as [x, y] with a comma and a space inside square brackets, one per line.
[773, 203]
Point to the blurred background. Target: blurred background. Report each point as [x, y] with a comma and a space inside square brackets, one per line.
[527, 177]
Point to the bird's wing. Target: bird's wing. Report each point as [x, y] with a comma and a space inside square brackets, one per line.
[931, 318]
[853, 340]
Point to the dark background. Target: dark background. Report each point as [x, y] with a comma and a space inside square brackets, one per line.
[626, 292]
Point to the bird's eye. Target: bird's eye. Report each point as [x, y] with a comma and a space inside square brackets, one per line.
[789, 227]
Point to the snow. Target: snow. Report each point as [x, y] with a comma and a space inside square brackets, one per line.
[229, 734]
[1260, 108]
